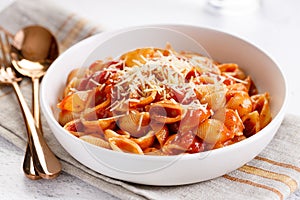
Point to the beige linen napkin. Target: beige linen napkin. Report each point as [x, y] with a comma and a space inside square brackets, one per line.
[274, 174]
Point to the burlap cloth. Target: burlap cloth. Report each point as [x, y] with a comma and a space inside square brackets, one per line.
[274, 174]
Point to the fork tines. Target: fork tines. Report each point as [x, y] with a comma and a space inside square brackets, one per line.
[7, 73]
[5, 49]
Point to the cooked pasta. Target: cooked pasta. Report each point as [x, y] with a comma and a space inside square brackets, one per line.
[161, 102]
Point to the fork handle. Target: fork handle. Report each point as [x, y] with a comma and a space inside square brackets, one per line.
[44, 160]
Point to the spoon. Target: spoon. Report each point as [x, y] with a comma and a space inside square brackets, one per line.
[33, 50]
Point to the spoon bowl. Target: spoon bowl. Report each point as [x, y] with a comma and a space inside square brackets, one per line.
[34, 49]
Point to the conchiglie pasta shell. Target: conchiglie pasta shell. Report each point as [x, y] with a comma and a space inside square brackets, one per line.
[251, 123]
[241, 102]
[212, 94]
[75, 102]
[261, 104]
[213, 131]
[265, 116]
[248, 83]
[98, 125]
[228, 67]
[162, 135]
[77, 73]
[137, 56]
[144, 101]
[75, 127]
[237, 74]
[231, 120]
[70, 86]
[193, 118]
[153, 151]
[215, 100]
[108, 133]
[201, 63]
[135, 123]
[235, 139]
[95, 141]
[233, 70]
[73, 80]
[67, 116]
[166, 112]
[91, 113]
[125, 145]
[97, 66]
[206, 89]
[237, 87]
[145, 141]
[171, 147]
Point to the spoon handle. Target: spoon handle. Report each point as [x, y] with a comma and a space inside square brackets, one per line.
[36, 101]
[44, 160]
[28, 166]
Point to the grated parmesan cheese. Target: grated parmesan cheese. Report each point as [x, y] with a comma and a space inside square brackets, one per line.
[163, 73]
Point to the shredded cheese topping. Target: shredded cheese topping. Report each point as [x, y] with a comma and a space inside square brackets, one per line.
[160, 74]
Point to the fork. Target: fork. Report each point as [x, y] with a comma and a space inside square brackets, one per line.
[28, 166]
[45, 162]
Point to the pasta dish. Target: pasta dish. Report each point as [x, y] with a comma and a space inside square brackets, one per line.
[156, 101]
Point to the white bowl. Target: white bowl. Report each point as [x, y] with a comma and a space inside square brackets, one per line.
[166, 170]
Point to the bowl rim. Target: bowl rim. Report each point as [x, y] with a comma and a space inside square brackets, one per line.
[101, 37]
